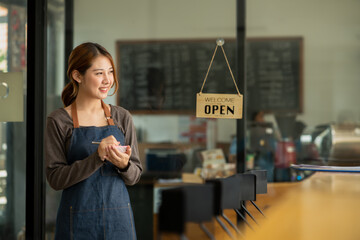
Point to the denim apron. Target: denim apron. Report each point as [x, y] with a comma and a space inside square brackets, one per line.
[98, 207]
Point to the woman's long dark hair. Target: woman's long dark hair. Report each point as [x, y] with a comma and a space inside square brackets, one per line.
[81, 59]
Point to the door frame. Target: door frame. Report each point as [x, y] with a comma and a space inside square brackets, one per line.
[35, 118]
[36, 110]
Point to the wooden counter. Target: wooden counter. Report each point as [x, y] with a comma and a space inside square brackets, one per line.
[324, 206]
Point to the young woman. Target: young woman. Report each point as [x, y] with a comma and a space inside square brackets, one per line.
[83, 153]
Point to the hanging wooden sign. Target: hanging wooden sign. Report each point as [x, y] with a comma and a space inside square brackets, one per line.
[213, 105]
[209, 105]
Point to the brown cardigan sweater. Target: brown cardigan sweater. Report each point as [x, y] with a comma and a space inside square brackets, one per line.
[59, 127]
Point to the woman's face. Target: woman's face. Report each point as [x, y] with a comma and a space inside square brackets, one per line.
[98, 79]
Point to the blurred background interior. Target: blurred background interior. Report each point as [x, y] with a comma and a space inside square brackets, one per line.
[302, 102]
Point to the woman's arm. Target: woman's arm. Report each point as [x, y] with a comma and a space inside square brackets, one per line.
[59, 174]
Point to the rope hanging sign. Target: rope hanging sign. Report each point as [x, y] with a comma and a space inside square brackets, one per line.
[213, 105]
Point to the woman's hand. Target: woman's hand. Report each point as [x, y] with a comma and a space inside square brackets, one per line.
[118, 158]
[104, 144]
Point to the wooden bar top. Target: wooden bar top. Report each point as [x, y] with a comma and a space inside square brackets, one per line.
[324, 206]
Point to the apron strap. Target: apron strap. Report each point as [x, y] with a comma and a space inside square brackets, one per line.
[75, 116]
[107, 114]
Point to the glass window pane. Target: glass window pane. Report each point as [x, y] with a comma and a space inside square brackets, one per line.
[170, 140]
[325, 131]
[13, 33]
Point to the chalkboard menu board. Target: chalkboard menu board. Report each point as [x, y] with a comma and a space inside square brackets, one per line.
[164, 76]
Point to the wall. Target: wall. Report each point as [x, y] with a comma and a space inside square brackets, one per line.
[331, 32]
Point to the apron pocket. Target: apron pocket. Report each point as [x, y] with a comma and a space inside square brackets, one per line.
[119, 223]
[86, 224]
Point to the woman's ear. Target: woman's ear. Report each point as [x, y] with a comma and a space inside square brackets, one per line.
[76, 76]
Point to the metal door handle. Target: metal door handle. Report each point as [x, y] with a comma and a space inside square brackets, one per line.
[4, 84]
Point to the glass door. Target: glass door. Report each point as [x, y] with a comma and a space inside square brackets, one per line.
[161, 60]
[13, 65]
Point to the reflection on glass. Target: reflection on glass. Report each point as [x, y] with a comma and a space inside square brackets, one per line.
[3, 37]
[13, 32]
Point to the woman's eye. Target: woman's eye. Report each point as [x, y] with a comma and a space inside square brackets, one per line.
[98, 73]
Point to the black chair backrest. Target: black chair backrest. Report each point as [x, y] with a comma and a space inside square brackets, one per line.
[192, 203]
[261, 180]
[246, 184]
[226, 194]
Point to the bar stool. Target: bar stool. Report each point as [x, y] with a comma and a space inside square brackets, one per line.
[246, 190]
[261, 184]
[226, 196]
[192, 203]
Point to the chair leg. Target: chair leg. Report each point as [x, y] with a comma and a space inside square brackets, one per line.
[231, 224]
[257, 208]
[224, 227]
[207, 232]
[252, 217]
[244, 219]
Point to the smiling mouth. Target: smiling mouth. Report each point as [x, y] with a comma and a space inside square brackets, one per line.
[103, 89]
